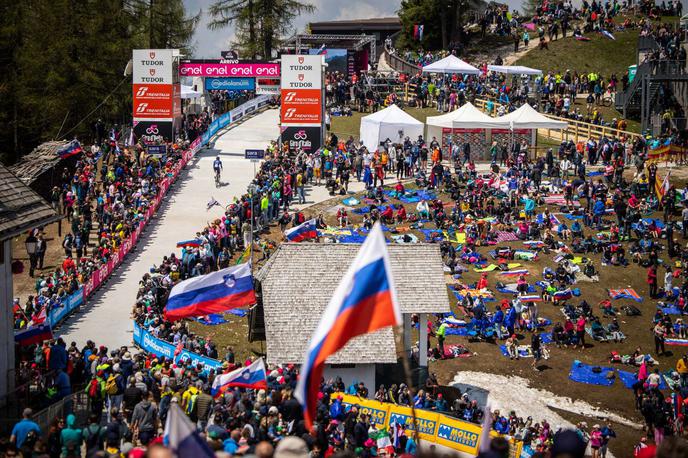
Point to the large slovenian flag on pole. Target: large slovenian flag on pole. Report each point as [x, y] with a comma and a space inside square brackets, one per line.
[70, 149]
[182, 437]
[216, 292]
[304, 231]
[364, 302]
[253, 376]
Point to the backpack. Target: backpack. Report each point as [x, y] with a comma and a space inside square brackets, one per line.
[111, 385]
[94, 389]
[93, 441]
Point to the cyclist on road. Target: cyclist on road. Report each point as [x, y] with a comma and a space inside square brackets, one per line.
[217, 167]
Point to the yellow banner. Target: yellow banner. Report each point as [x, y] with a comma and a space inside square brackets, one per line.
[433, 427]
[377, 411]
[426, 422]
[459, 435]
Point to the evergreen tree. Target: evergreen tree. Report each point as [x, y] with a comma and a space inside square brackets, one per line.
[260, 23]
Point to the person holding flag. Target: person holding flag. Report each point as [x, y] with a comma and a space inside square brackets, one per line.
[363, 302]
[253, 377]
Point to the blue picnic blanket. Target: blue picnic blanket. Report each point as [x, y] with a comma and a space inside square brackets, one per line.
[211, 320]
[429, 237]
[627, 378]
[217, 318]
[594, 173]
[462, 331]
[362, 210]
[582, 373]
[672, 310]
[630, 378]
[572, 217]
[521, 352]
[351, 201]
[354, 238]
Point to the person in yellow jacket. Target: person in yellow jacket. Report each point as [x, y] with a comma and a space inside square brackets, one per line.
[189, 399]
[682, 369]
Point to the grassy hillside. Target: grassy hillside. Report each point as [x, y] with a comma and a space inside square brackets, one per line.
[600, 54]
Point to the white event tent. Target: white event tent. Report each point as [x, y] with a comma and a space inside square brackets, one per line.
[392, 123]
[465, 117]
[451, 64]
[188, 92]
[514, 70]
[526, 117]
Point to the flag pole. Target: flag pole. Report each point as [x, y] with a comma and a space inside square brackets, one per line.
[399, 337]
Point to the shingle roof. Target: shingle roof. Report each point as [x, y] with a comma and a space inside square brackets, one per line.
[297, 283]
[43, 158]
[20, 207]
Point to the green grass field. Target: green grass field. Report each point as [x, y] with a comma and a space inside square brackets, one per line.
[600, 54]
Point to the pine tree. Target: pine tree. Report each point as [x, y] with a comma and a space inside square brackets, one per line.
[260, 23]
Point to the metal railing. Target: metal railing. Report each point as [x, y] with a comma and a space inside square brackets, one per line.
[400, 65]
[576, 130]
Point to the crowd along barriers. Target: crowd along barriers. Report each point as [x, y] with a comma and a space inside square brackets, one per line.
[58, 313]
[432, 427]
[151, 344]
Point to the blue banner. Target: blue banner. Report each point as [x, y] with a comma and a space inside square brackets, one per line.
[66, 306]
[230, 84]
[151, 344]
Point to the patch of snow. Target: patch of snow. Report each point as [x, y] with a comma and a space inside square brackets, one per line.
[507, 393]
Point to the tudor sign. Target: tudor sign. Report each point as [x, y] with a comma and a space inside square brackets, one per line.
[156, 94]
[301, 90]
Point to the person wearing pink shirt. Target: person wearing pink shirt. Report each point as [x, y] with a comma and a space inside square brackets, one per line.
[580, 331]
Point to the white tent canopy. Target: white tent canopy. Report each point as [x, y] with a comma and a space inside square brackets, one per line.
[451, 64]
[526, 117]
[514, 70]
[392, 123]
[465, 117]
[189, 93]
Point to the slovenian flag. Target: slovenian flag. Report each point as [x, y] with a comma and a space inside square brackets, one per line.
[182, 437]
[304, 231]
[530, 298]
[364, 302]
[563, 295]
[70, 149]
[253, 376]
[34, 335]
[194, 243]
[216, 292]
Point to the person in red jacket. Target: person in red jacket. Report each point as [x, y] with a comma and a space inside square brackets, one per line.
[652, 280]
[401, 214]
[387, 215]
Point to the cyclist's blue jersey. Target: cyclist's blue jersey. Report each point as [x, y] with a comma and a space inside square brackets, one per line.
[217, 164]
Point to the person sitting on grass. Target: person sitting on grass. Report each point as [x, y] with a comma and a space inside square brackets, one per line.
[423, 209]
[607, 308]
[399, 190]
